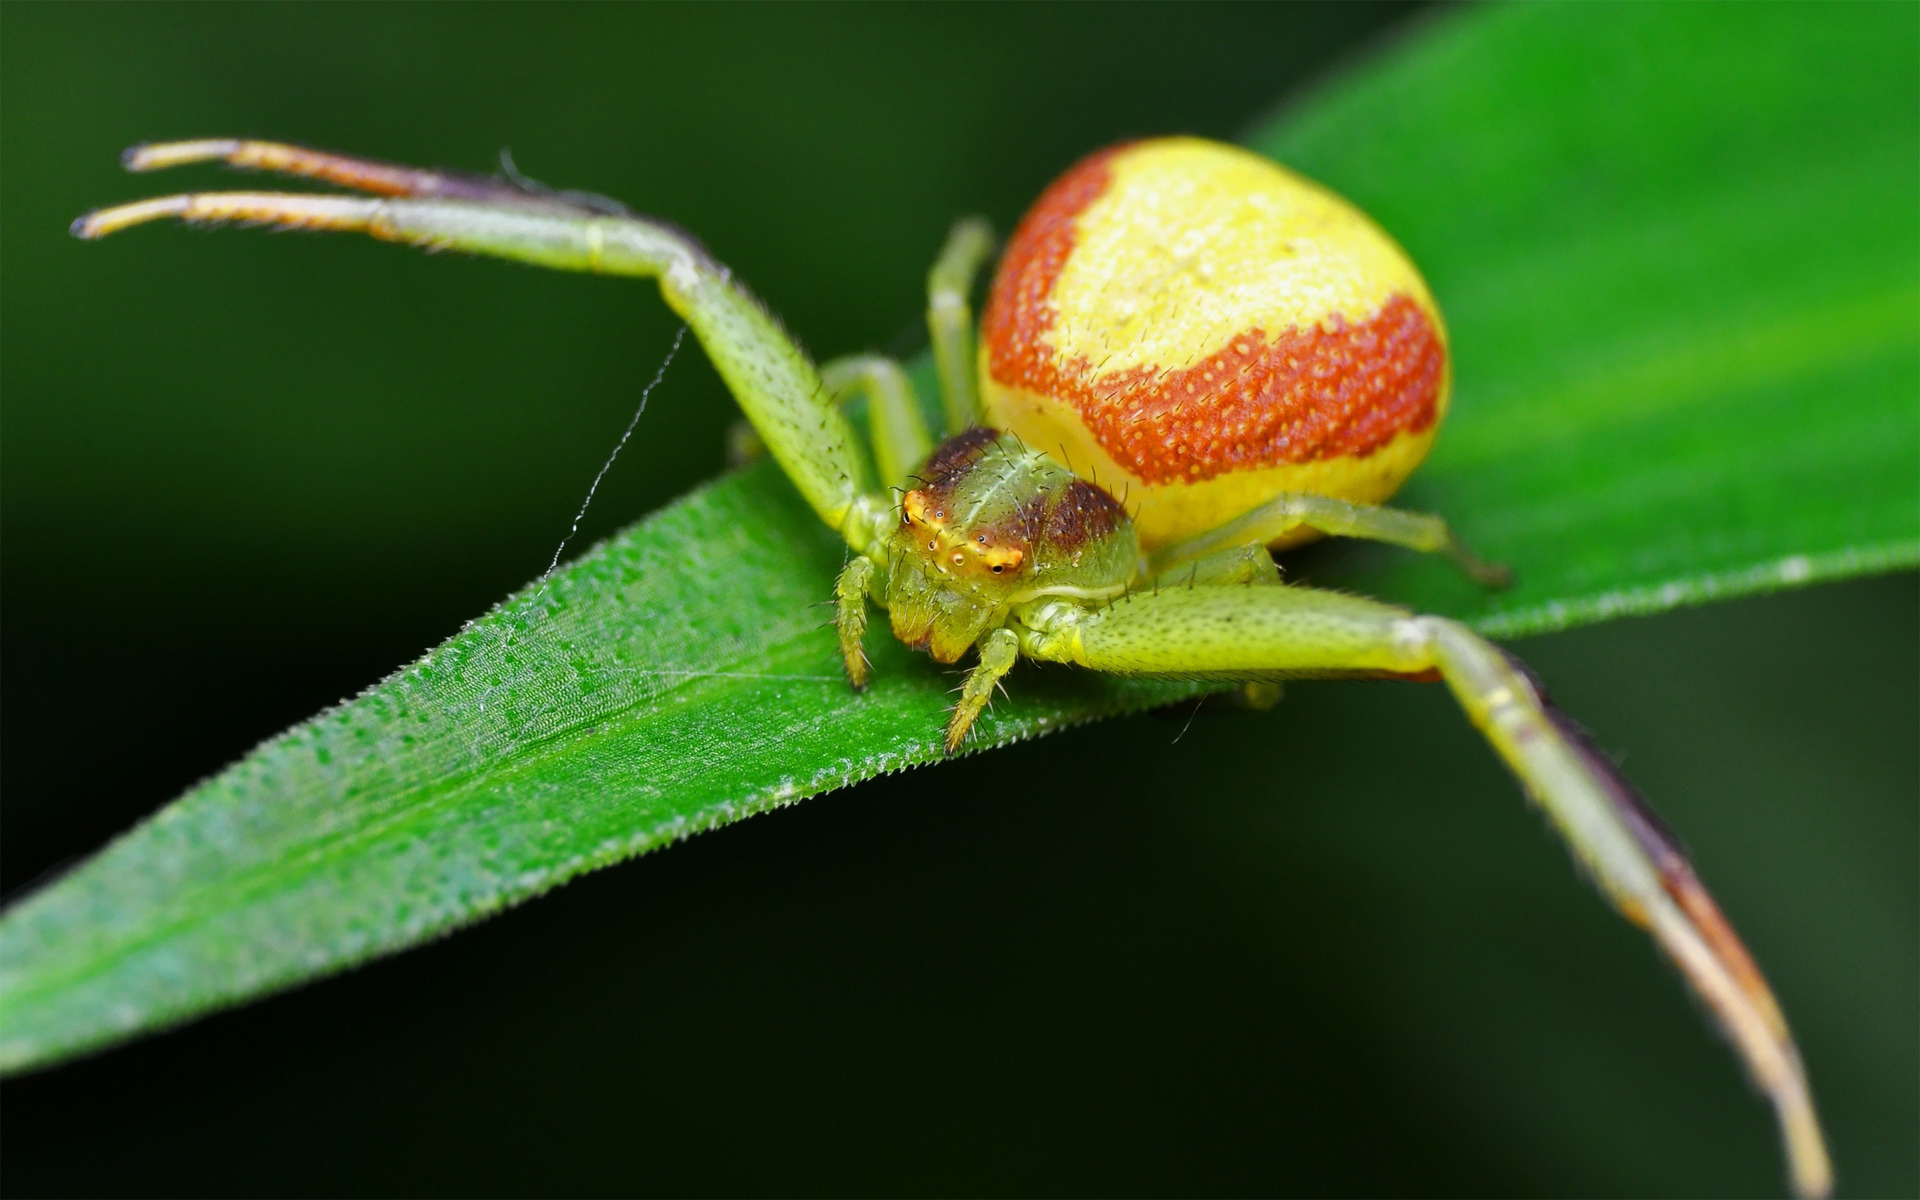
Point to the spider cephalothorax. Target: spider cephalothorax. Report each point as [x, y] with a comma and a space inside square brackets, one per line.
[994, 525]
[1240, 352]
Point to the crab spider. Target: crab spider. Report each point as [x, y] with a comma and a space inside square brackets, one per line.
[1241, 350]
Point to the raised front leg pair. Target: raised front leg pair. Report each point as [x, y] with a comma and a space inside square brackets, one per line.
[769, 375]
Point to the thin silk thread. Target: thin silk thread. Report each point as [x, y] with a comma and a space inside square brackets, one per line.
[608, 465]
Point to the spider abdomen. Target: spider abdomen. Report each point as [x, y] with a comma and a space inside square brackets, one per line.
[1201, 329]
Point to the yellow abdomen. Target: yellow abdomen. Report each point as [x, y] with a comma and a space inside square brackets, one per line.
[1197, 330]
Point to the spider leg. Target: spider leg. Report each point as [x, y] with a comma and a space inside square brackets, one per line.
[898, 431]
[1289, 512]
[1275, 632]
[1244, 564]
[896, 428]
[769, 375]
[950, 320]
[857, 581]
[999, 650]
[360, 174]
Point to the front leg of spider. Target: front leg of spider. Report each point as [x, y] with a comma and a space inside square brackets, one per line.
[799, 416]
[777, 386]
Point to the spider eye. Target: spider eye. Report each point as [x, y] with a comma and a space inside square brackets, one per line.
[981, 538]
[997, 568]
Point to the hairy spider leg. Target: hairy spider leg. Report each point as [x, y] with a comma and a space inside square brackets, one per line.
[1277, 632]
[999, 650]
[950, 320]
[896, 427]
[768, 373]
[360, 174]
[1248, 563]
[857, 581]
[1292, 511]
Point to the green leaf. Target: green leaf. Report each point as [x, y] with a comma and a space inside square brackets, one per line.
[1676, 248]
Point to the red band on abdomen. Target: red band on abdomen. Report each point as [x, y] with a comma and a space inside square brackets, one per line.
[1340, 388]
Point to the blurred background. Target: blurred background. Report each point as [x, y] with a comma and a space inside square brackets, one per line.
[1323, 950]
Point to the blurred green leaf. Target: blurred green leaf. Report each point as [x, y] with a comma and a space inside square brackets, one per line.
[1676, 248]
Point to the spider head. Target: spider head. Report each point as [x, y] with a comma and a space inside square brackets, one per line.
[991, 524]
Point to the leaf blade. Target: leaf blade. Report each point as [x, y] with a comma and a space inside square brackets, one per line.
[366, 830]
[680, 677]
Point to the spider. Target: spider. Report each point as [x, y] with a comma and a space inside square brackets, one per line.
[1242, 354]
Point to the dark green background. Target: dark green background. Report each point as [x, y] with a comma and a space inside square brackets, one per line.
[1323, 949]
